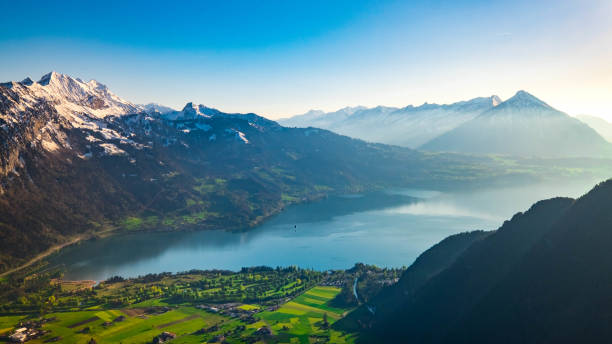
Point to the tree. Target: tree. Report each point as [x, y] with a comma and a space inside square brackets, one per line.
[325, 322]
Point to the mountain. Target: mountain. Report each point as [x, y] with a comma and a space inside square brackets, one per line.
[320, 119]
[542, 277]
[523, 126]
[154, 107]
[73, 97]
[76, 161]
[409, 126]
[600, 125]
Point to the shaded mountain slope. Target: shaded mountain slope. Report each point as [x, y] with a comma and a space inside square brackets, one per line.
[559, 291]
[542, 277]
[429, 264]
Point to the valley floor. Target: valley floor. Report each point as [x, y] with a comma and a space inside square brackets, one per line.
[254, 305]
[300, 320]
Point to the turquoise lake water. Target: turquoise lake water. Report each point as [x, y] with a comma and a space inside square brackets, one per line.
[388, 228]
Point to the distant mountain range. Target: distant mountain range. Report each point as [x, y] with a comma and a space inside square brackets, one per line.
[521, 126]
[77, 160]
[542, 277]
[410, 126]
[525, 126]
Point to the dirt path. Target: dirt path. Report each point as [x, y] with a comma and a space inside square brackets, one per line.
[45, 254]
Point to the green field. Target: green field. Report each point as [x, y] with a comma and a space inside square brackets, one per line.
[135, 328]
[297, 321]
[300, 320]
[253, 305]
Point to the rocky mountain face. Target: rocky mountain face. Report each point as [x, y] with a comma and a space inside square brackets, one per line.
[539, 278]
[410, 126]
[76, 160]
[523, 126]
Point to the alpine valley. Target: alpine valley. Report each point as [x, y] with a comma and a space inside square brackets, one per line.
[78, 161]
[79, 164]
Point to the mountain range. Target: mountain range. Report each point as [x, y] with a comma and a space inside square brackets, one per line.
[76, 160]
[523, 125]
[542, 277]
[410, 126]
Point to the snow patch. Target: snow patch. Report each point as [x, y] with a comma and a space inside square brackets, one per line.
[111, 149]
[238, 135]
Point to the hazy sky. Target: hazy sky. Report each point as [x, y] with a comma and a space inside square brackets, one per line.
[279, 58]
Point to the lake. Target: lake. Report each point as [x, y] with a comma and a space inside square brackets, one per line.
[388, 228]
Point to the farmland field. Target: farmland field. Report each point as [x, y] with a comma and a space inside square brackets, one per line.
[254, 305]
[82, 326]
[301, 320]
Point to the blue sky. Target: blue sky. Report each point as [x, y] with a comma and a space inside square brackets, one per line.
[279, 58]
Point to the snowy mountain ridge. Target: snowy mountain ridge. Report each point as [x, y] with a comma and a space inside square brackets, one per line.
[73, 97]
[410, 126]
[525, 126]
[108, 120]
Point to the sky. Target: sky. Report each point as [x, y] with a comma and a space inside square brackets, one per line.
[281, 58]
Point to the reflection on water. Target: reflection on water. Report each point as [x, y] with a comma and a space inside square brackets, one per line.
[386, 229]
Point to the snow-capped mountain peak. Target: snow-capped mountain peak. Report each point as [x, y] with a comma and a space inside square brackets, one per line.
[47, 78]
[523, 99]
[80, 104]
[155, 107]
[192, 111]
[27, 81]
[73, 96]
[495, 100]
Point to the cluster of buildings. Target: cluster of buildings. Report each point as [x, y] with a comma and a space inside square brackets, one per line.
[23, 334]
[232, 309]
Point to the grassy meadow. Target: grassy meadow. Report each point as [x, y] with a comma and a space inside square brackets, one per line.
[300, 320]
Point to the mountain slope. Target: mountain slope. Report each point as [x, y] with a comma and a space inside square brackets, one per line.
[541, 278]
[600, 125]
[429, 264]
[408, 127]
[523, 126]
[558, 291]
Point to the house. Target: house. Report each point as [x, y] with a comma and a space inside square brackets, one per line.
[263, 331]
[19, 336]
[164, 337]
[23, 334]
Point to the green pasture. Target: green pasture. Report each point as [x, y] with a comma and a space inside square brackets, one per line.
[71, 327]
